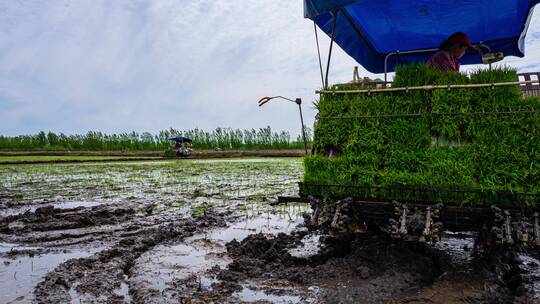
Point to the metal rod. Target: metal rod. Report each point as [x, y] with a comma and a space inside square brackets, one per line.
[425, 189]
[429, 87]
[480, 45]
[330, 51]
[319, 52]
[299, 102]
[431, 114]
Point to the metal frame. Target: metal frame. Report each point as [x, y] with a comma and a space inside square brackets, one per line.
[386, 58]
[431, 87]
[336, 14]
[531, 87]
[397, 53]
[429, 114]
[402, 53]
[419, 195]
[318, 52]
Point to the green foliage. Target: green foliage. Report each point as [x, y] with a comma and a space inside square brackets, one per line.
[200, 210]
[440, 139]
[219, 139]
[418, 74]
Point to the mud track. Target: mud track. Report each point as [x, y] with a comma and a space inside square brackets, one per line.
[140, 255]
[99, 278]
[261, 268]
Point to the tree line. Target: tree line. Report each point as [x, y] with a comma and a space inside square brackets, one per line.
[218, 139]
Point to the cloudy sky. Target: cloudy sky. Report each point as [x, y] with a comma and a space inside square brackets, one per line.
[113, 66]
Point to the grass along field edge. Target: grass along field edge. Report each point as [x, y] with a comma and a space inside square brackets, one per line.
[15, 158]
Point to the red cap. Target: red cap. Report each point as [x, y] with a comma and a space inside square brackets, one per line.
[462, 38]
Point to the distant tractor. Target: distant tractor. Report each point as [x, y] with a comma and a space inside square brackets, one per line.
[182, 147]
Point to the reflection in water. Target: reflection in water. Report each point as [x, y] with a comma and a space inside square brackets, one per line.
[21, 274]
[160, 268]
[531, 270]
[250, 295]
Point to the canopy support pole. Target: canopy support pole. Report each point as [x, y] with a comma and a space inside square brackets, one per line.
[299, 103]
[318, 52]
[331, 46]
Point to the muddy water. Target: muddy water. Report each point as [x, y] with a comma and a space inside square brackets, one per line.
[531, 269]
[138, 211]
[20, 274]
[310, 246]
[248, 294]
[168, 272]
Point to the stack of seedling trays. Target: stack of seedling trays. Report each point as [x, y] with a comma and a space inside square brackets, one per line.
[464, 147]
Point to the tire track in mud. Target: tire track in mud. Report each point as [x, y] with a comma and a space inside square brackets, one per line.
[260, 266]
[140, 207]
[369, 267]
[48, 218]
[99, 278]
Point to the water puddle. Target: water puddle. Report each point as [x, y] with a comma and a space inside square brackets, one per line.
[251, 224]
[59, 205]
[122, 292]
[20, 275]
[166, 267]
[248, 294]
[531, 269]
[238, 160]
[459, 246]
[311, 246]
[8, 247]
[74, 204]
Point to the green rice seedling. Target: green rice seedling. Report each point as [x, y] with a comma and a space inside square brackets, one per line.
[200, 210]
[485, 139]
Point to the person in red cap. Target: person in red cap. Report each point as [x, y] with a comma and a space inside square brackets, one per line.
[450, 51]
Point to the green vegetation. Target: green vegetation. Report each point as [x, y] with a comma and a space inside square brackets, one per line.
[200, 210]
[219, 139]
[441, 139]
[176, 184]
[172, 188]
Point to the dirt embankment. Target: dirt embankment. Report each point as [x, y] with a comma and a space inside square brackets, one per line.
[83, 153]
[139, 156]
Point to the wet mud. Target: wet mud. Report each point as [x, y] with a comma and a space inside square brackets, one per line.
[223, 242]
[371, 268]
[260, 258]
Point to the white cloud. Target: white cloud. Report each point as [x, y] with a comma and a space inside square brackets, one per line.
[114, 66]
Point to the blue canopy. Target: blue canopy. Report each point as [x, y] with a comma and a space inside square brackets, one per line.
[368, 30]
[180, 139]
